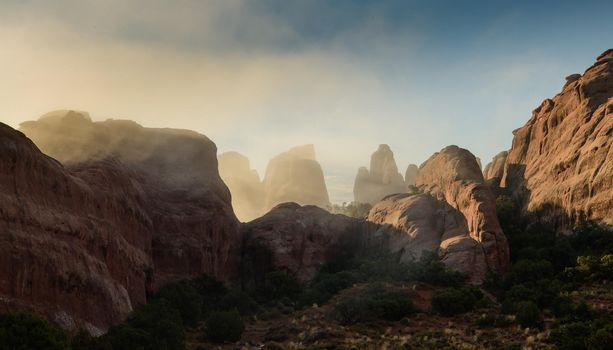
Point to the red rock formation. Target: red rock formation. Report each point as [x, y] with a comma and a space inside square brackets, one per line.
[294, 238]
[561, 162]
[410, 175]
[134, 208]
[494, 170]
[456, 213]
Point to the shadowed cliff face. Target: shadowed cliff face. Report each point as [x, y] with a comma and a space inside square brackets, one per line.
[563, 156]
[140, 206]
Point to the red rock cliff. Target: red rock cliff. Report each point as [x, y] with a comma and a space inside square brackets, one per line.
[561, 162]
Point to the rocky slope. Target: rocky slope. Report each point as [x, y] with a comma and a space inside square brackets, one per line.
[244, 184]
[132, 209]
[456, 214]
[560, 165]
[295, 176]
[380, 180]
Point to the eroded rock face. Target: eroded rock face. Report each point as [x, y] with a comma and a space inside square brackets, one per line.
[560, 166]
[456, 213]
[295, 176]
[494, 170]
[132, 208]
[244, 184]
[297, 239]
[382, 179]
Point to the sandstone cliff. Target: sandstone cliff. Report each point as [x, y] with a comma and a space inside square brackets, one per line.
[456, 213]
[560, 165]
[244, 184]
[494, 170]
[382, 179]
[295, 176]
[132, 209]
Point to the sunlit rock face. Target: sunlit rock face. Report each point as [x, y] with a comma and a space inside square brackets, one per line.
[560, 165]
[295, 176]
[382, 179]
[456, 213]
[131, 209]
[410, 175]
[244, 183]
[494, 170]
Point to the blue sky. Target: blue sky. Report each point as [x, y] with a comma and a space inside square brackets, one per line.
[261, 76]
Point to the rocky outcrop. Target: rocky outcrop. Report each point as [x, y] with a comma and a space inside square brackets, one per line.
[295, 176]
[297, 239]
[560, 166]
[410, 175]
[244, 183]
[456, 214]
[132, 208]
[494, 170]
[382, 179]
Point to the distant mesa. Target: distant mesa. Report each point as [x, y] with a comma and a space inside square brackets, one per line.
[295, 176]
[410, 175]
[382, 179]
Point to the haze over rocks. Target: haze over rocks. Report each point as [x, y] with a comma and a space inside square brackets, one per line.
[380, 180]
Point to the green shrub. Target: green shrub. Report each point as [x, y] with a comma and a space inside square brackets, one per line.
[374, 303]
[453, 301]
[211, 291]
[240, 301]
[21, 331]
[601, 339]
[185, 298]
[224, 326]
[527, 314]
[430, 269]
[570, 336]
[278, 285]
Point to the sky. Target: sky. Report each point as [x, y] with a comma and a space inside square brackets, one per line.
[259, 77]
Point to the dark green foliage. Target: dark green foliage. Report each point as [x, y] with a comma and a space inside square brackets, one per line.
[430, 269]
[185, 298]
[570, 336]
[278, 286]
[240, 301]
[84, 341]
[156, 326]
[527, 314]
[211, 290]
[601, 339]
[374, 303]
[21, 331]
[453, 301]
[224, 326]
[324, 286]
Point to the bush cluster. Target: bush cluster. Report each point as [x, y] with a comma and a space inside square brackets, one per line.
[374, 303]
[454, 301]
